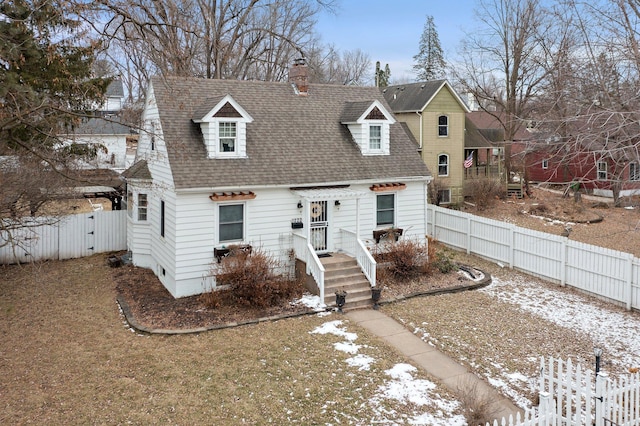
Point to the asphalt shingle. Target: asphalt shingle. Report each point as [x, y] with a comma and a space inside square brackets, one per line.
[294, 140]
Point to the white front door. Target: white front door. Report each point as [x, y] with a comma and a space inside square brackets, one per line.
[318, 226]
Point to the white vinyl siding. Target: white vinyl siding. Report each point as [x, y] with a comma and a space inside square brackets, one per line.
[268, 226]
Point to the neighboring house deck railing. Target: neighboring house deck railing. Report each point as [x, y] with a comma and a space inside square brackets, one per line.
[353, 246]
[305, 252]
[482, 171]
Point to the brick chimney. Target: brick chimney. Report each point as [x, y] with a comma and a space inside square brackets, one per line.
[299, 77]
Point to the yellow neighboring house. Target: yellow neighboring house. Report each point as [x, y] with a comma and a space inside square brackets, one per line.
[435, 114]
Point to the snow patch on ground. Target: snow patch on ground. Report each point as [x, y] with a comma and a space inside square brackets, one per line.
[401, 386]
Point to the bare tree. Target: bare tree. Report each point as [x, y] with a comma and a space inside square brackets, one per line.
[244, 39]
[502, 66]
[329, 66]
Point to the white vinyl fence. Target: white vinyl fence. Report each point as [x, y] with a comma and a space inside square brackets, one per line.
[614, 275]
[571, 396]
[66, 237]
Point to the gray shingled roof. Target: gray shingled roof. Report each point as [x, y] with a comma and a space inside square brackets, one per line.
[354, 110]
[293, 141]
[102, 126]
[411, 97]
[140, 170]
[474, 138]
[115, 89]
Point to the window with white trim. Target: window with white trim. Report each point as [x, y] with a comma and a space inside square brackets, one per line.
[602, 170]
[227, 135]
[443, 165]
[375, 137]
[545, 164]
[231, 222]
[443, 125]
[634, 171]
[444, 196]
[142, 207]
[385, 209]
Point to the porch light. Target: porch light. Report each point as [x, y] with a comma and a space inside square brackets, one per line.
[299, 204]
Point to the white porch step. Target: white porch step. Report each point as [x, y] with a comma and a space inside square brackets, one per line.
[343, 273]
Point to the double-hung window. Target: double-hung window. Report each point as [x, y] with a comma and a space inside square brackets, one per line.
[227, 134]
[602, 170]
[142, 207]
[443, 165]
[443, 125]
[385, 209]
[231, 222]
[545, 164]
[634, 171]
[375, 137]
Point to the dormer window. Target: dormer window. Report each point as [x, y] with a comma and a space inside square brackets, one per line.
[375, 137]
[227, 134]
[224, 127]
[368, 122]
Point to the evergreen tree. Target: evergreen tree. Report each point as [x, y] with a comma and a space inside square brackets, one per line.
[45, 75]
[46, 87]
[429, 62]
[382, 77]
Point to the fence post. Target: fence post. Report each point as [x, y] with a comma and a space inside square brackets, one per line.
[544, 409]
[629, 295]
[468, 234]
[601, 380]
[563, 263]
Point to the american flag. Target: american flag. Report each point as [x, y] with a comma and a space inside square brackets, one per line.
[469, 161]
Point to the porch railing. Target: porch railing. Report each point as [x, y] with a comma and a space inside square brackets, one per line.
[352, 245]
[481, 171]
[305, 252]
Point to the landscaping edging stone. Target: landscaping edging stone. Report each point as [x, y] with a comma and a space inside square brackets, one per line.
[133, 323]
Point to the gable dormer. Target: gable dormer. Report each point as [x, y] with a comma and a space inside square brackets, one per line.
[368, 123]
[223, 123]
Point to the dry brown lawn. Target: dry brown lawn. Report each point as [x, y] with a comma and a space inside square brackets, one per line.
[549, 212]
[67, 357]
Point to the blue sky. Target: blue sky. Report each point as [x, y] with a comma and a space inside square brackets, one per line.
[389, 30]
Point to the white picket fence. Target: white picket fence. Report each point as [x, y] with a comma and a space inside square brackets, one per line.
[66, 237]
[570, 396]
[614, 275]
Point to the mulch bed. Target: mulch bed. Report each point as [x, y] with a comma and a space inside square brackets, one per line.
[150, 307]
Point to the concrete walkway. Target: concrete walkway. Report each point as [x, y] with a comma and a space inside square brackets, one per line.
[453, 375]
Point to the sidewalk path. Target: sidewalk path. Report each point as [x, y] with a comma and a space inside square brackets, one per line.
[453, 375]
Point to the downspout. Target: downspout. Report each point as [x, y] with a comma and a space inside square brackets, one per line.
[420, 115]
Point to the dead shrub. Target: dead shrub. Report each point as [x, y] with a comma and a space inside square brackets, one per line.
[252, 280]
[405, 259]
[215, 298]
[484, 191]
[440, 258]
[538, 209]
[477, 407]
